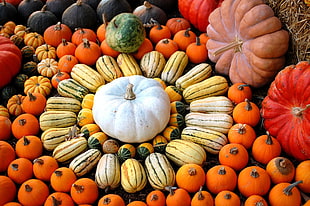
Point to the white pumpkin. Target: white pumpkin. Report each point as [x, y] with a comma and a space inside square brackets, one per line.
[132, 109]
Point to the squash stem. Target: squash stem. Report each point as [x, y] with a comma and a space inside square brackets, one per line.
[236, 44]
[288, 190]
[129, 95]
[297, 111]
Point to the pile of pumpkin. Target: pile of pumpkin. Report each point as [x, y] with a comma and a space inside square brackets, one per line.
[73, 140]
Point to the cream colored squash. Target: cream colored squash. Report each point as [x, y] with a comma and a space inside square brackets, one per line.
[132, 109]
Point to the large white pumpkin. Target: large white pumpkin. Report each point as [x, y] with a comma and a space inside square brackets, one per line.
[133, 118]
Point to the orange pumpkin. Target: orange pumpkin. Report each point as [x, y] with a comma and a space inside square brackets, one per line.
[226, 197]
[178, 197]
[255, 200]
[25, 124]
[59, 199]
[66, 63]
[87, 52]
[242, 134]
[246, 113]
[29, 147]
[20, 170]
[184, 38]
[14, 105]
[202, 197]
[239, 92]
[177, 24]
[38, 84]
[302, 173]
[34, 103]
[62, 179]
[234, 155]
[137, 203]
[7, 190]
[285, 194]
[144, 48]
[44, 166]
[204, 38]
[59, 76]
[156, 198]
[280, 169]
[5, 125]
[54, 34]
[7, 155]
[190, 177]
[83, 33]
[197, 52]
[111, 200]
[84, 191]
[167, 47]
[65, 48]
[158, 32]
[12, 204]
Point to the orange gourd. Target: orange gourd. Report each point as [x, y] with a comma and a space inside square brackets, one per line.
[144, 48]
[33, 192]
[87, 52]
[107, 50]
[184, 38]
[25, 124]
[174, 93]
[226, 197]
[5, 125]
[265, 148]
[285, 194]
[255, 200]
[44, 166]
[220, 178]
[111, 200]
[167, 47]
[84, 191]
[190, 177]
[12, 204]
[66, 63]
[246, 113]
[137, 203]
[38, 84]
[54, 34]
[29, 147]
[177, 24]
[34, 103]
[234, 155]
[202, 197]
[197, 52]
[280, 169]
[14, 105]
[20, 170]
[88, 101]
[204, 38]
[65, 48]
[101, 30]
[242, 134]
[59, 76]
[178, 197]
[302, 173]
[253, 180]
[156, 198]
[7, 190]
[7, 155]
[158, 32]
[4, 112]
[83, 33]
[238, 92]
[59, 199]
[62, 179]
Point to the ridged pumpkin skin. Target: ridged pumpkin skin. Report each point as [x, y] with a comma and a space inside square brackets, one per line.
[286, 110]
[246, 42]
[125, 33]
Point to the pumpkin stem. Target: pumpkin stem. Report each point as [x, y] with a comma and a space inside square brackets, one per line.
[198, 43]
[31, 97]
[200, 195]
[269, 139]
[254, 173]
[186, 33]
[236, 45]
[222, 171]
[298, 112]
[154, 197]
[14, 166]
[248, 106]
[55, 201]
[156, 23]
[86, 43]
[26, 141]
[170, 189]
[64, 42]
[192, 171]
[234, 151]
[39, 161]
[241, 86]
[129, 95]
[288, 190]
[147, 4]
[107, 201]
[57, 26]
[22, 122]
[58, 173]
[79, 188]
[165, 41]
[28, 188]
[241, 129]
[227, 196]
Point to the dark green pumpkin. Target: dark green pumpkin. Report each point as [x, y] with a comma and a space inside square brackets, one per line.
[58, 7]
[7, 92]
[125, 152]
[30, 68]
[111, 8]
[178, 107]
[176, 119]
[144, 149]
[19, 81]
[26, 8]
[27, 51]
[159, 143]
[125, 33]
[8, 12]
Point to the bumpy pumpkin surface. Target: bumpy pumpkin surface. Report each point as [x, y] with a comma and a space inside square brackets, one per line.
[286, 110]
[133, 118]
[247, 41]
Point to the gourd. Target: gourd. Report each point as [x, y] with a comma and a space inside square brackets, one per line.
[25, 124]
[238, 42]
[33, 192]
[128, 65]
[38, 84]
[234, 155]
[63, 104]
[152, 64]
[57, 119]
[155, 197]
[286, 194]
[108, 68]
[284, 113]
[20, 170]
[81, 33]
[44, 166]
[62, 179]
[87, 52]
[280, 169]
[227, 197]
[112, 199]
[71, 88]
[10, 57]
[139, 89]
[84, 191]
[59, 198]
[125, 152]
[178, 196]
[29, 147]
[202, 197]
[212, 105]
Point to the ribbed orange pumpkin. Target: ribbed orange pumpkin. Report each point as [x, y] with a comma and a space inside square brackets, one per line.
[87, 52]
[190, 177]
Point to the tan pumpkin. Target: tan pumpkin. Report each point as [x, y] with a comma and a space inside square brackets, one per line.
[247, 42]
[48, 67]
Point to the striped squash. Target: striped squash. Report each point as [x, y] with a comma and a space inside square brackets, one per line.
[71, 88]
[178, 107]
[171, 133]
[144, 149]
[174, 67]
[159, 143]
[69, 149]
[63, 104]
[212, 86]
[90, 129]
[96, 140]
[87, 77]
[152, 64]
[128, 64]
[108, 68]
[52, 137]
[126, 151]
[84, 117]
[196, 74]
[107, 175]
[177, 120]
[133, 176]
[215, 104]
[85, 162]
[181, 152]
[159, 171]
[57, 119]
[210, 140]
[217, 122]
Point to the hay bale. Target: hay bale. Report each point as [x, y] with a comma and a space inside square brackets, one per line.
[295, 16]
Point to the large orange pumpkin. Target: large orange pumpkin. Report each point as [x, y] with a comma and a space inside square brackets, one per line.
[10, 60]
[286, 110]
[247, 41]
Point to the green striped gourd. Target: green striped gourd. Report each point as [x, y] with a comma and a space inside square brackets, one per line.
[87, 77]
[128, 64]
[57, 119]
[89, 129]
[108, 68]
[210, 140]
[159, 171]
[178, 107]
[171, 133]
[133, 176]
[159, 143]
[217, 122]
[144, 149]
[195, 75]
[85, 162]
[174, 67]
[52, 137]
[96, 140]
[177, 120]
[126, 151]
[212, 86]
[71, 88]
[63, 104]
[215, 104]
[152, 64]
[69, 149]
[181, 152]
[107, 175]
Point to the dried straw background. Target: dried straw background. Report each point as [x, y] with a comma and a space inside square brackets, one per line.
[295, 16]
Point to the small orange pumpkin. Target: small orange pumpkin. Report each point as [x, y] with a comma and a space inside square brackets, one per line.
[59, 76]
[167, 47]
[158, 32]
[7, 155]
[14, 105]
[137, 203]
[111, 200]
[83, 33]
[7, 190]
[25, 124]
[59, 199]
[204, 38]
[190, 177]
[107, 50]
[255, 200]
[156, 198]
[5, 125]
[45, 51]
[47, 67]
[12, 204]
[66, 63]
[177, 24]
[87, 52]
[202, 197]
[242, 134]
[54, 34]
[62, 179]
[38, 84]
[234, 155]
[29, 147]
[302, 173]
[144, 48]
[285, 194]
[238, 92]
[65, 48]
[44, 166]
[246, 113]
[226, 197]
[84, 191]
[197, 52]
[34, 103]
[184, 38]
[178, 197]
[280, 169]
[20, 170]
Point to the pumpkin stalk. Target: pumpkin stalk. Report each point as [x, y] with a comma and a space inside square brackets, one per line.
[79, 188]
[241, 129]
[298, 112]
[288, 190]
[222, 171]
[234, 151]
[248, 106]
[186, 33]
[147, 5]
[129, 95]
[192, 171]
[31, 97]
[241, 87]
[154, 197]
[269, 139]
[106, 201]
[26, 141]
[254, 173]
[56, 202]
[57, 26]
[227, 196]
[39, 161]
[236, 44]
[14, 167]
[200, 195]
[28, 188]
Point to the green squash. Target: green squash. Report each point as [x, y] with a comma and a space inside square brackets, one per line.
[125, 33]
